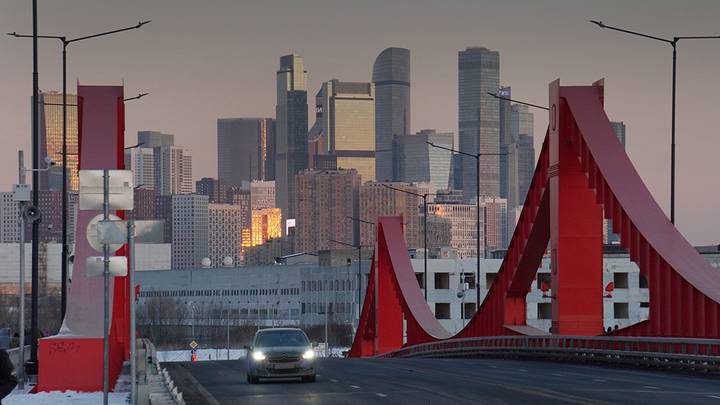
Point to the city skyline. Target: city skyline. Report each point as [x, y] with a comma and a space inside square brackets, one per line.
[434, 73]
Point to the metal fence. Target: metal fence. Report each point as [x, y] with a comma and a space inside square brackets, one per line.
[696, 354]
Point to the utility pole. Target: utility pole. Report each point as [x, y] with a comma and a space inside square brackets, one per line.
[21, 288]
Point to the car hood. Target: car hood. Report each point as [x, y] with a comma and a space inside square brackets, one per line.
[284, 350]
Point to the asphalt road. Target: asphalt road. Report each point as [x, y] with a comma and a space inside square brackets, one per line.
[446, 381]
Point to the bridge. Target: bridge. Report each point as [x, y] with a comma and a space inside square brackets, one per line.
[402, 354]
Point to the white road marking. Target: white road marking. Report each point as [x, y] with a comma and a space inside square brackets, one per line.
[713, 396]
[600, 380]
[491, 366]
[333, 380]
[355, 386]
[380, 394]
[557, 374]
[651, 387]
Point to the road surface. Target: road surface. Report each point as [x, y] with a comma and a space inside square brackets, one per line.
[446, 381]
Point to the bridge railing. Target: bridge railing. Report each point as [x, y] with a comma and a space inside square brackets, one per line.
[649, 351]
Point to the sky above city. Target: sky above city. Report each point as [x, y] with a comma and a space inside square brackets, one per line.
[203, 60]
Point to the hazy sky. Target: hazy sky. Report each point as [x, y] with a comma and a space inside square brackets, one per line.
[202, 60]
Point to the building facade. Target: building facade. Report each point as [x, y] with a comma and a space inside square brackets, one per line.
[291, 118]
[245, 149]
[218, 191]
[479, 119]
[495, 213]
[376, 200]
[463, 229]
[173, 170]
[345, 124]
[266, 225]
[262, 194]
[189, 230]
[51, 140]
[391, 77]
[224, 234]
[323, 202]
[142, 162]
[415, 161]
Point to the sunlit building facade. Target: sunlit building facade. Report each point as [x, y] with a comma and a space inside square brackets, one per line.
[262, 195]
[51, 139]
[463, 233]
[265, 225]
[345, 122]
[376, 200]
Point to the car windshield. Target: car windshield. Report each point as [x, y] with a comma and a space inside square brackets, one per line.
[276, 338]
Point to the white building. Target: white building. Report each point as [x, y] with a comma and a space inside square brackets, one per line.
[224, 233]
[173, 170]
[262, 194]
[189, 230]
[9, 218]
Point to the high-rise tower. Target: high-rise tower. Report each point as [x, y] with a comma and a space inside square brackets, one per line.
[292, 130]
[391, 75]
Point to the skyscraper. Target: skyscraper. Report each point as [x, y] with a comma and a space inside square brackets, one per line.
[291, 122]
[391, 76]
[479, 119]
[189, 230]
[262, 194]
[495, 218]
[323, 201]
[142, 162]
[173, 170]
[154, 139]
[463, 234]
[521, 159]
[224, 233]
[345, 124]
[218, 191]
[415, 161]
[244, 149]
[505, 140]
[51, 140]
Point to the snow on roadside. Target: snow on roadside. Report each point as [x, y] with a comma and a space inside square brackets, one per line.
[18, 397]
[202, 355]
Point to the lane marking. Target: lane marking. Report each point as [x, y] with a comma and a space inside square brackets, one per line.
[713, 396]
[333, 380]
[491, 366]
[381, 395]
[557, 374]
[600, 380]
[651, 387]
[355, 386]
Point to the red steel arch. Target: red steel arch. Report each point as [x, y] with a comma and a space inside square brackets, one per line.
[582, 173]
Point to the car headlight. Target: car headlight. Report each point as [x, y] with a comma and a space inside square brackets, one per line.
[258, 356]
[309, 355]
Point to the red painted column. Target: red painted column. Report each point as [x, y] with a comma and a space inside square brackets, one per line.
[389, 313]
[575, 232]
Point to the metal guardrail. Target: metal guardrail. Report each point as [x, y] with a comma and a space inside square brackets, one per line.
[696, 354]
[173, 391]
[14, 355]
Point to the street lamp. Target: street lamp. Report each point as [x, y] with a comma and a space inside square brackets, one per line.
[359, 274]
[672, 42]
[499, 97]
[64, 255]
[476, 156]
[425, 215]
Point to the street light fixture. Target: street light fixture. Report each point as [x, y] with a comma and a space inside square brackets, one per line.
[425, 212]
[64, 258]
[673, 43]
[476, 156]
[499, 97]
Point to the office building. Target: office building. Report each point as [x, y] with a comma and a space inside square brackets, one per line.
[495, 217]
[173, 170]
[245, 149]
[262, 195]
[345, 125]
[144, 201]
[266, 225]
[323, 201]
[51, 140]
[415, 161]
[142, 163]
[155, 139]
[376, 200]
[224, 234]
[291, 124]
[189, 230]
[479, 119]
[218, 191]
[462, 216]
[391, 77]
[506, 139]
[9, 219]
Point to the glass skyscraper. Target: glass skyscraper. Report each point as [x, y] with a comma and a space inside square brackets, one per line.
[291, 124]
[244, 147]
[51, 134]
[391, 75]
[417, 162]
[479, 119]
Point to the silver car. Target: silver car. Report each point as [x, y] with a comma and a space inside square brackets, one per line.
[280, 353]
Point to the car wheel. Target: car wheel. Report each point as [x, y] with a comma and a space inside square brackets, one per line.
[310, 378]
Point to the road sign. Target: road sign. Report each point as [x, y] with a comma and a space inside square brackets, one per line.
[94, 266]
[193, 345]
[21, 192]
[112, 232]
[91, 233]
[120, 189]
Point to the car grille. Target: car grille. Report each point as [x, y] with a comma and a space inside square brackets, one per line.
[284, 358]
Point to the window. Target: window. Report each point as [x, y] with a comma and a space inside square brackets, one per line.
[420, 279]
[470, 279]
[621, 311]
[544, 310]
[644, 305]
[620, 280]
[643, 282]
[442, 281]
[543, 278]
[442, 310]
[489, 279]
[468, 310]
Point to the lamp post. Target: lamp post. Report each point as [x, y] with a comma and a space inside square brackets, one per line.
[359, 272]
[673, 43]
[425, 214]
[476, 156]
[64, 255]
